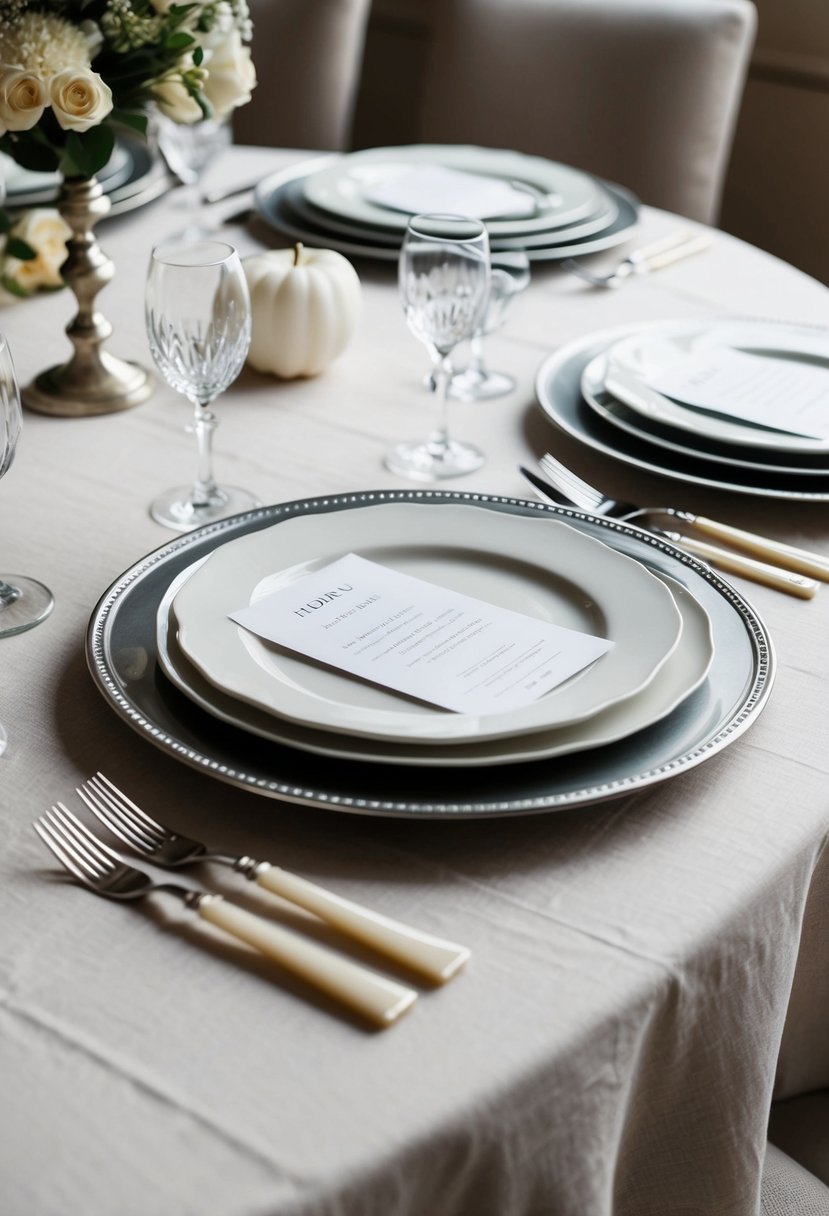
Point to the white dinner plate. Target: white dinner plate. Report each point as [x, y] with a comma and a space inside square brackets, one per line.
[555, 574]
[633, 360]
[650, 431]
[340, 188]
[596, 222]
[683, 672]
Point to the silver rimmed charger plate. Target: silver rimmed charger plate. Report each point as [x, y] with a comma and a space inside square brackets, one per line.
[122, 657]
[559, 394]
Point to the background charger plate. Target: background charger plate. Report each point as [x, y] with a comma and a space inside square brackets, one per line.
[272, 204]
[122, 657]
[558, 391]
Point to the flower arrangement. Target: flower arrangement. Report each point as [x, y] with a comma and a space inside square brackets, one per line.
[72, 70]
[32, 250]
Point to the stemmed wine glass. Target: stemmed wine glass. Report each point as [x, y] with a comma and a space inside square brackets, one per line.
[24, 602]
[199, 326]
[444, 284]
[510, 275]
[188, 148]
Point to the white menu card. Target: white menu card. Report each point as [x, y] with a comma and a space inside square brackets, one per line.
[431, 188]
[779, 394]
[416, 637]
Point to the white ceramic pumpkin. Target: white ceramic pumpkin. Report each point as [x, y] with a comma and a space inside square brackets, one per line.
[305, 305]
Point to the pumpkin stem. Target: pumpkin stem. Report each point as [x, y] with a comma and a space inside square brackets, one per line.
[297, 252]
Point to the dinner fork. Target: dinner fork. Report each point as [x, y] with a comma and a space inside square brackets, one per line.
[641, 261]
[97, 867]
[432, 957]
[563, 487]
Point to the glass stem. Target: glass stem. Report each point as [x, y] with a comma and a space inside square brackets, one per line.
[205, 490]
[439, 438]
[476, 353]
[8, 594]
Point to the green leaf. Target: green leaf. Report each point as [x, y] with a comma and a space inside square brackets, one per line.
[31, 154]
[13, 288]
[90, 150]
[178, 41]
[5, 222]
[198, 56]
[127, 118]
[20, 249]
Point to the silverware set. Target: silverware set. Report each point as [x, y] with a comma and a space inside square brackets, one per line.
[795, 571]
[377, 999]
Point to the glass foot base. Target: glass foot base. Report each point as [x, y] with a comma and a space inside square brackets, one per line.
[32, 605]
[429, 462]
[176, 510]
[470, 386]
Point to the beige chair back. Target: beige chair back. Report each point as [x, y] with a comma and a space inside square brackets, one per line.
[642, 92]
[308, 55]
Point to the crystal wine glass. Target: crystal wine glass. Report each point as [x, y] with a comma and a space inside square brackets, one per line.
[199, 326]
[510, 275]
[188, 148]
[24, 602]
[444, 284]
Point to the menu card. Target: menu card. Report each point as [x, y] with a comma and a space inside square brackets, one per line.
[431, 188]
[416, 637]
[772, 392]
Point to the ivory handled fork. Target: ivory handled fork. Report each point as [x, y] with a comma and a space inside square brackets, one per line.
[432, 957]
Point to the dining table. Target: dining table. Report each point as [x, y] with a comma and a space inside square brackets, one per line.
[649, 970]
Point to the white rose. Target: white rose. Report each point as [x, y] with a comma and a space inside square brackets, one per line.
[175, 102]
[23, 98]
[43, 229]
[80, 98]
[230, 75]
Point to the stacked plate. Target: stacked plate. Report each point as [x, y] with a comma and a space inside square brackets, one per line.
[347, 202]
[134, 176]
[600, 389]
[168, 658]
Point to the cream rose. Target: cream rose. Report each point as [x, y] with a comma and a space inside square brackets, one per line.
[23, 98]
[174, 101]
[46, 232]
[230, 75]
[80, 98]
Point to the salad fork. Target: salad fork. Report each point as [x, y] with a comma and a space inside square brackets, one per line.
[101, 870]
[563, 487]
[432, 957]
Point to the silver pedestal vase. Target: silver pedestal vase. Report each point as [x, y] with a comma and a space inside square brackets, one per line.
[93, 381]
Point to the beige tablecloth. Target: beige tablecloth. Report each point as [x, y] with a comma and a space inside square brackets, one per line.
[635, 984]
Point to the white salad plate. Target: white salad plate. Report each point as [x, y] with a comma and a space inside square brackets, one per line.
[632, 361]
[554, 573]
[563, 195]
[683, 672]
[559, 394]
[651, 431]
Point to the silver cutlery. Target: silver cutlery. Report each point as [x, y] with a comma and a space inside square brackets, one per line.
[432, 957]
[94, 865]
[222, 192]
[563, 487]
[660, 253]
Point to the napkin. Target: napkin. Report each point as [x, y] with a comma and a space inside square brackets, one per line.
[432, 188]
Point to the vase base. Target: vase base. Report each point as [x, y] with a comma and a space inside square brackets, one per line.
[123, 386]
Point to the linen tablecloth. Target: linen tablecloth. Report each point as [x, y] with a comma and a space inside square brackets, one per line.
[644, 971]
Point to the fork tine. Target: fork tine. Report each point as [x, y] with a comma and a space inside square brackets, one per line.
[118, 819]
[116, 798]
[553, 467]
[75, 830]
[70, 843]
[47, 833]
